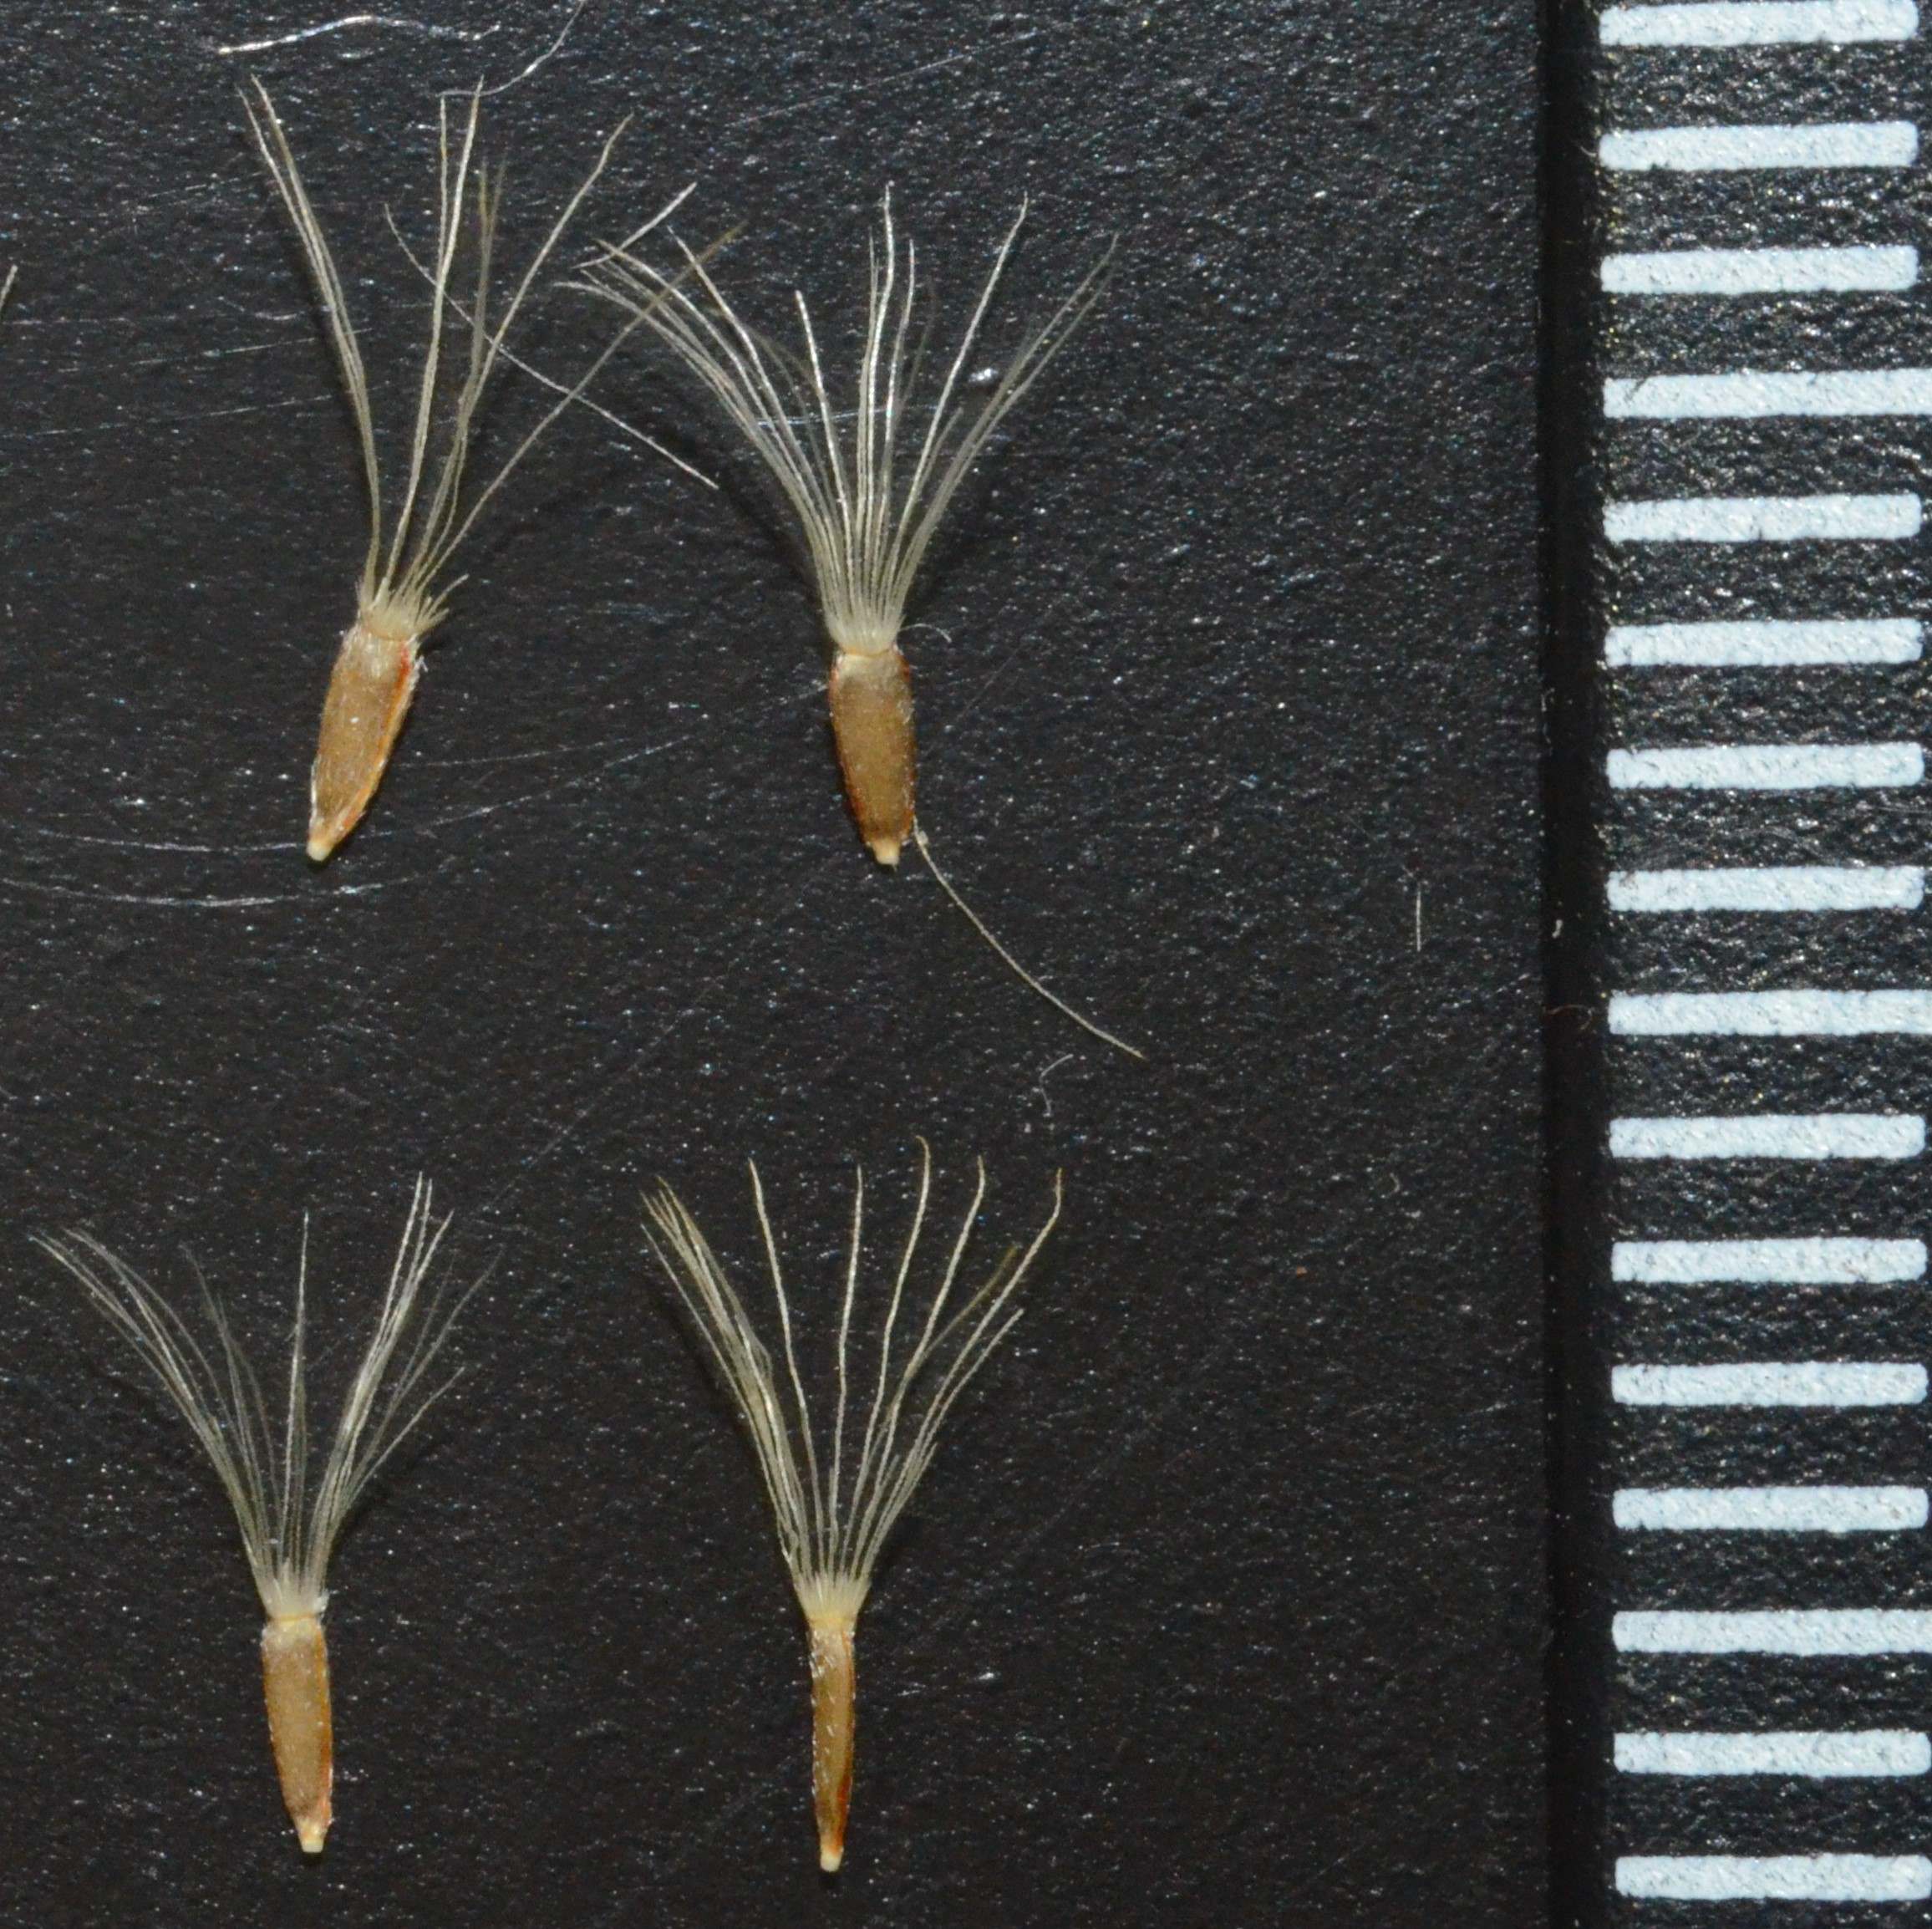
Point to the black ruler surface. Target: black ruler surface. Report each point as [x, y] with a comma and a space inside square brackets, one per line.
[1741, 454]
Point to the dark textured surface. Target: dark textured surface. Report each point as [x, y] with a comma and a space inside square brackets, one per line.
[1225, 1601]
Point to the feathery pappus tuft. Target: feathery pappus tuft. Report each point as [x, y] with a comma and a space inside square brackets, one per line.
[290, 1523]
[869, 472]
[837, 1500]
[404, 588]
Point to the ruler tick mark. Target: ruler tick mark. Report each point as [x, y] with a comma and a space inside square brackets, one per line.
[1767, 767]
[1819, 1262]
[1783, 889]
[1767, 643]
[1749, 395]
[1890, 518]
[1758, 22]
[1775, 1878]
[1761, 271]
[1771, 1135]
[1772, 1384]
[1790, 1013]
[1769, 1509]
[1806, 1752]
[1790, 1631]
[1859, 143]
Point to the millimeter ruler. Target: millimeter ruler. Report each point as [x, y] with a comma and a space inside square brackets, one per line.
[1745, 587]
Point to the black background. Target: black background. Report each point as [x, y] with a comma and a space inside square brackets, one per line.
[1225, 1601]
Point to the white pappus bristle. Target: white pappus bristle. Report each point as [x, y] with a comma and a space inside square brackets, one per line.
[289, 1522]
[868, 487]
